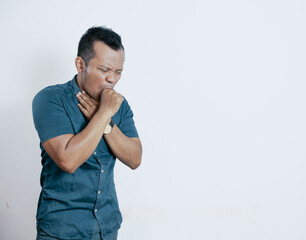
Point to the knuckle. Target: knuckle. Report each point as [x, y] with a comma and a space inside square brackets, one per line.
[119, 100]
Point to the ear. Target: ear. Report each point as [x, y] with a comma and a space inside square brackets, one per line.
[79, 64]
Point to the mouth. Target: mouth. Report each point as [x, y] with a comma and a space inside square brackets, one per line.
[109, 86]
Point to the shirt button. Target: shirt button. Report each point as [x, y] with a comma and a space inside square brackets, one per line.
[95, 153]
[102, 171]
[96, 210]
[99, 192]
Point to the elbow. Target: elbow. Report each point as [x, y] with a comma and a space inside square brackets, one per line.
[136, 163]
[66, 167]
[69, 170]
[136, 156]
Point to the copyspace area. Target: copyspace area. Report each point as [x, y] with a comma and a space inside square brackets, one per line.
[218, 94]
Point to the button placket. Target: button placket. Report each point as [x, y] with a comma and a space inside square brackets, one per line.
[99, 190]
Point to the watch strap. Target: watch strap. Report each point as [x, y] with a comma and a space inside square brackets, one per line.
[111, 123]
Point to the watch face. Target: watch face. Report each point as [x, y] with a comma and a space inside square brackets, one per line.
[108, 129]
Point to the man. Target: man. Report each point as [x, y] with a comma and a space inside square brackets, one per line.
[84, 125]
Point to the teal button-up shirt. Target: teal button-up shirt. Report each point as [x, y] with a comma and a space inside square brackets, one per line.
[78, 205]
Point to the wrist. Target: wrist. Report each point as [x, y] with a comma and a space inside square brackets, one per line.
[109, 127]
[105, 115]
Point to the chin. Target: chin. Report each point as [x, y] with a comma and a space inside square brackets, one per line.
[97, 96]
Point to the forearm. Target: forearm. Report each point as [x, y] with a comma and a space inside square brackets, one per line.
[126, 149]
[82, 145]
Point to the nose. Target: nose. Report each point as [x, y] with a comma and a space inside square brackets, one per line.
[110, 78]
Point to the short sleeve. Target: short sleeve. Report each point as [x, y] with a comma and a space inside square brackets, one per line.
[127, 124]
[49, 115]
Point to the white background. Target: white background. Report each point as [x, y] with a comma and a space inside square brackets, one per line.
[218, 93]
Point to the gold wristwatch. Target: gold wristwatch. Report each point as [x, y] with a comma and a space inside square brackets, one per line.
[109, 127]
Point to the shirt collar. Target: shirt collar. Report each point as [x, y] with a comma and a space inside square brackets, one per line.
[74, 85]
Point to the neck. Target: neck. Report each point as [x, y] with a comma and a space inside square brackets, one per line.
[79, 82]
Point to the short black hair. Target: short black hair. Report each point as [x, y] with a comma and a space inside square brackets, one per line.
[93, 34]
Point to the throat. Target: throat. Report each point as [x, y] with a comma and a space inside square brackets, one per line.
[80, 82]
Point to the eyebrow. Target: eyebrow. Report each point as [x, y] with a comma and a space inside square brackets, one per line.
[119, 69]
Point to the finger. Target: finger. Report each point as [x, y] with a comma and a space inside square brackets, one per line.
[82, 101]
[83, 110]
[87, 99]
[108, 91]
[90, 98]
[95, 102]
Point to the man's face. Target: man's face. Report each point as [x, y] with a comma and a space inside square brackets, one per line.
[103, 71]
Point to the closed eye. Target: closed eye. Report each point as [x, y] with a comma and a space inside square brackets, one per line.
[103, 70]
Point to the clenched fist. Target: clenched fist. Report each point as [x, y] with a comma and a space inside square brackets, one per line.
[109, 105]
[110, 102]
